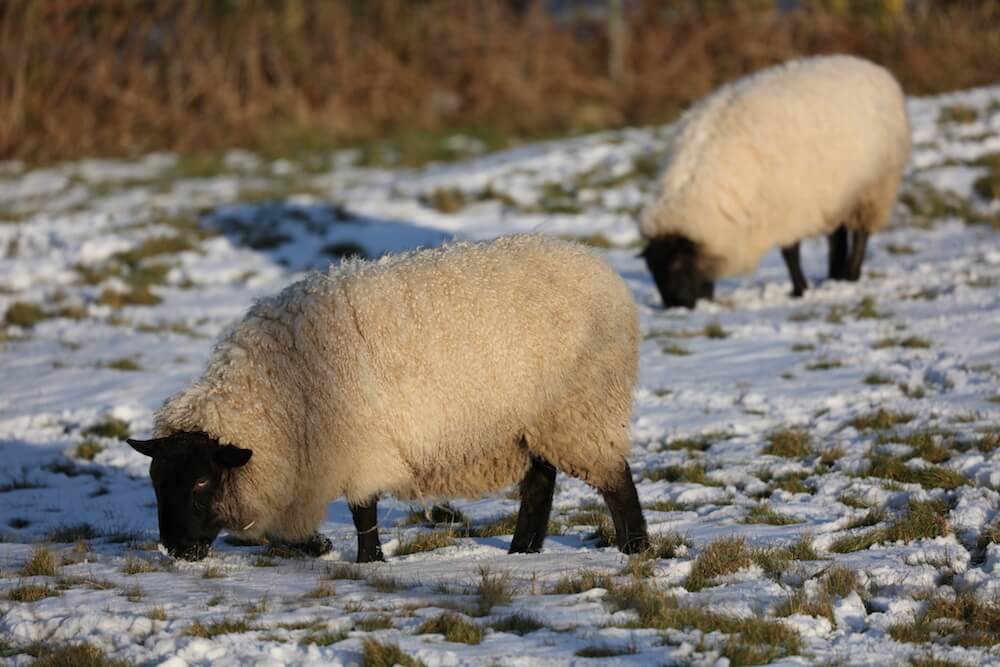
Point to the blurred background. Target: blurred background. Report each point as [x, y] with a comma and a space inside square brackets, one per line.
[123, 77]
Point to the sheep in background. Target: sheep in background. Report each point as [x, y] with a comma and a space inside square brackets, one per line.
[813, 146]
[439, 373]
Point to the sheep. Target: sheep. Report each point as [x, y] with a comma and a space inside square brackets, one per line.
[439, 373]
[813, 146]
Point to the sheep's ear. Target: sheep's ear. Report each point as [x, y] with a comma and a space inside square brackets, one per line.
[146, 447]
[229, 456]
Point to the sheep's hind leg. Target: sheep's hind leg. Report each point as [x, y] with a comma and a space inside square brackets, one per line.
[366, 523]
[626, 513]
[838, 254]
[859, 242]
[537, 488]
[791, 256]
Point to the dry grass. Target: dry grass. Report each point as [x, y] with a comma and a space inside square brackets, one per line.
[963, 620]
[30, 593]
[517, 624]
[43, 563]
[752, 640]
[881, 419]
[77, 655]
[494, 589]
[282, 76]
[375, 654]
[724, 556]
[763, 513]
[426, 542]
[581, 582]
[923, 519]
[454, 627]
[221, 627]
[789, 443]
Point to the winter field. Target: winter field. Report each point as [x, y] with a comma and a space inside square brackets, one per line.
[822, 475]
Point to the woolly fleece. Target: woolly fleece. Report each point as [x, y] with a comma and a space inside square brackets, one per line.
[430, 374]
[783, 154]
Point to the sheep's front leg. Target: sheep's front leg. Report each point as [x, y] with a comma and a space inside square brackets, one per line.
[791, 256]
[537, 488]
[859, 242]
[838, 254]
[366, 523]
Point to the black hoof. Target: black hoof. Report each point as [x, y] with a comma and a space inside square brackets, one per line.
[635, 545]
[371, 557]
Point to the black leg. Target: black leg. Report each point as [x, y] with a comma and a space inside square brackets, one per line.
[791, 255]
[623, 503]
[537, 488]
[859, 242]
[366, 522]
[838, 254]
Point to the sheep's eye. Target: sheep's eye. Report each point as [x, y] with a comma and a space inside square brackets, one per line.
[200, 484]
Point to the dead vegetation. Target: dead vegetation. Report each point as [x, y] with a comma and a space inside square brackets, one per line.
[185, 75]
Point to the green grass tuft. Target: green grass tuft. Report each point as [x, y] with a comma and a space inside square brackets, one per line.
[763, 513]
[225, 626]
[693, 473]
[605, 651]
[374, 622]
[581, 582]
[715, 330]
[23, 314]
[111, 427]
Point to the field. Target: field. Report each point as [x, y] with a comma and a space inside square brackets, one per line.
[822, 475]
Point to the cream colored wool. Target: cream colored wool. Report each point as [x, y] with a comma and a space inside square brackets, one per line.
[431, 374]
[783, 154]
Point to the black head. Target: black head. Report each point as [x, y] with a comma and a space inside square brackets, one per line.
[678, 271]
[187, 472]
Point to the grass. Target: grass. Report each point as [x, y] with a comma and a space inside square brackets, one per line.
[877, 379]
[928, 476]
[715, 331]
[880, 420]
[213, 572]
[959, 114]
[226, 626]
[752, 640]
[136, 565]
[581, 582]
[374, 622]
[493, 589]
[77, 655]
[824, 364]
[803, 549]
[423, 542]
[436, 515]
[375, 654]
[324, 638]
[605, 651]
[517, 624]
[962, 620]
[839, 581]
[348, 571]
[110, 427]
[872, 517]
[866, 310]
[789, 443]
[800, 602]
[134, 594]
[910, 343]
[127, 364]
[693, 473]
[763, 513]
[43, 563]
[321, 591]
[88, 449]
[31, 592]
[454, 627]
[73, 533]
[674, 349]
[921, 520]
[24, 314]
[718, 558]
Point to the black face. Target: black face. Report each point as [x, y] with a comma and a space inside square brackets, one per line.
[187, 471]
[673, 262]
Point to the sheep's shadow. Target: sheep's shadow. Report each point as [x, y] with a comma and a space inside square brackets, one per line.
[310, 236]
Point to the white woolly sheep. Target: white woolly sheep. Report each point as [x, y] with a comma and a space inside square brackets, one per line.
[438, 373]
[813, 146]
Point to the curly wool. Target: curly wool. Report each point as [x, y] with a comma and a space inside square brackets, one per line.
[436, 373]
[783, 154]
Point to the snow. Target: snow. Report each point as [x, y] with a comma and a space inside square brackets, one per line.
[782, 364]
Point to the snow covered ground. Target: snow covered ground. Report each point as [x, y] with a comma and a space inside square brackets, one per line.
[844, 447]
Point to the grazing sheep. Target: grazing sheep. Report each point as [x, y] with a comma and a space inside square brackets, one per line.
[813, 146]
[438, 373]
